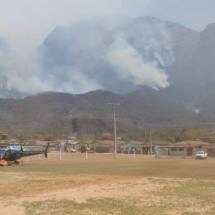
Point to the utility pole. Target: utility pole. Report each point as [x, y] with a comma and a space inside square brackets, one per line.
[86, 152]
[114, 126]
[150, 139]
[60, 151]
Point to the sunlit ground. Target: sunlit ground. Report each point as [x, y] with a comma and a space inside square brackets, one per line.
[104, 185]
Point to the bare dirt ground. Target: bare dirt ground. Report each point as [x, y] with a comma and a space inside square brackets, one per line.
[103, 185]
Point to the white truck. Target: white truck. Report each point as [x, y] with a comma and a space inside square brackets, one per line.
[201, 155]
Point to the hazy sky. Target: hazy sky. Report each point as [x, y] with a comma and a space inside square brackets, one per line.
[192, 13]
[27, 22]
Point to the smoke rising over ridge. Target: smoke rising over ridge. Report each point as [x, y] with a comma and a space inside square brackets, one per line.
[107, 47]
[130, 65]
[100, 55]
[16, 76]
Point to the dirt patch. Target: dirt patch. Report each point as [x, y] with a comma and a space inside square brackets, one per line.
[155, 185]
[103, 187]
[114, 188]
[9, 209]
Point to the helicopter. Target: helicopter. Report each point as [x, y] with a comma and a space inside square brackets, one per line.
[13, 153]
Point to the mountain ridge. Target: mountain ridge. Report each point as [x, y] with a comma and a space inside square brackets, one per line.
[186, 56]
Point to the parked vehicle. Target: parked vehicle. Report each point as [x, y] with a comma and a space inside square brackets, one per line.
[72, 150]
[201, 155]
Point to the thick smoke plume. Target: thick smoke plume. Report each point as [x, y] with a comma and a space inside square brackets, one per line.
[19, 75]
[102, 55]
[130, 65]
[98, 54]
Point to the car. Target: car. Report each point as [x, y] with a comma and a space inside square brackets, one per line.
[72, 150]
[201, 155]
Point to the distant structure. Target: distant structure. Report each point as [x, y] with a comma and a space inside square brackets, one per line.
[184, 149]
[71, 144]
[4, 138]
[208, 139]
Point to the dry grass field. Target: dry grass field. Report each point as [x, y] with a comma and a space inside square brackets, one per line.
[103, 185]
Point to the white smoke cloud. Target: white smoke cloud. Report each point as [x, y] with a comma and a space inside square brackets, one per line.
[97, 54]
[20, 76]
[100, 54]
[26, 23]
[130, 65]
[72, 81]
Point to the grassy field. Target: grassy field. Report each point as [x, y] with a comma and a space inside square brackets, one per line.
[103, 185]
